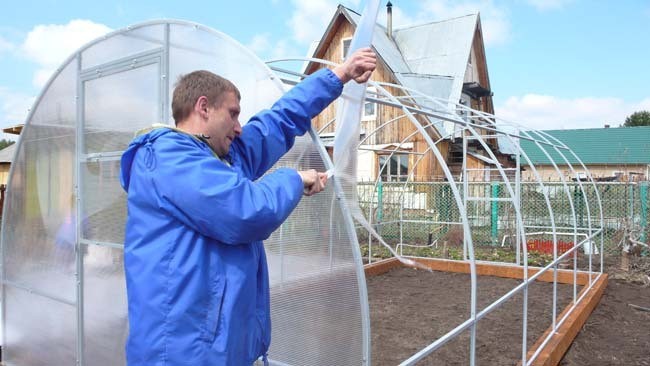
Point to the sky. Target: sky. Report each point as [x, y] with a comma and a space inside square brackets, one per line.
[552, 64]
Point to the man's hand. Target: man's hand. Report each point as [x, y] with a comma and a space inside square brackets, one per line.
[358, 66]
[313, 181]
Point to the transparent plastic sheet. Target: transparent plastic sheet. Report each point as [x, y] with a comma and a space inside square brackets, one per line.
[348, 115]
[319, 307]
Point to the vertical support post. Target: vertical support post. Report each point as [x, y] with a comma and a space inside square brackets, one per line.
[518, 229]
[401, 226]
[79, 151]
[380, 205]
[164, 79]
[282, 254]
[465, 179]
[370, 206]
[495, 213]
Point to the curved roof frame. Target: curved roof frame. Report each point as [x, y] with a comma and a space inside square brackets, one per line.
[443, 110]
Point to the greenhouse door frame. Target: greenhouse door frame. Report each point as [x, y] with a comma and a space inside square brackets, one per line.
[158, 56]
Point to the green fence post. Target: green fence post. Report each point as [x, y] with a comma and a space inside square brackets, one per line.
[631, 200]
[495, 213]
[580, 203]
[643, 190]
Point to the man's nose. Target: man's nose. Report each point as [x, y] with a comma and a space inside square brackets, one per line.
[238, 128]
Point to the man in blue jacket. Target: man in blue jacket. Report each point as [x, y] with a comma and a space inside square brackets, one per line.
[198, 210]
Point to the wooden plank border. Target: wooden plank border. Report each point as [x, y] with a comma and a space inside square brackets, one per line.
[552, 353]
[482, 269]
[554, 350]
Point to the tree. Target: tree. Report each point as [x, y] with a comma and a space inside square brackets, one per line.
[4, 143]
[641, 118]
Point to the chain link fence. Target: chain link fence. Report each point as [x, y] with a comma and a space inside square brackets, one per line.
[422, 218]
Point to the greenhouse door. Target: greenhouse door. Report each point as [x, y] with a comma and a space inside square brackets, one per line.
[117, 99]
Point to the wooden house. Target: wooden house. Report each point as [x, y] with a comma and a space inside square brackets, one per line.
[444, 59]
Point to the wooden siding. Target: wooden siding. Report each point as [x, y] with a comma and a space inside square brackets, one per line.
[479, 62]
[4, 172]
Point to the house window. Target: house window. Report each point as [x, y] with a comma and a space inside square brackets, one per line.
[345, 47]
[394, 168]
[369, 111]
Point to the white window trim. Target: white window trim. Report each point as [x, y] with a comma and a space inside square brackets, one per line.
[369, 117]
[343, 47]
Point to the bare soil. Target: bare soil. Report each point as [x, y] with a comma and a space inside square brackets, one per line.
[412, 308]
[409, 309]
[617, 333]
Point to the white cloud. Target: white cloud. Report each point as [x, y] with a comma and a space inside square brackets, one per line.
[6, 46]
[260, 43]
[266, 49]
[14, 107]
[49, 45]
[494, 18]
[310, 18]
[544, 5]
[400, 18]
[544, 112]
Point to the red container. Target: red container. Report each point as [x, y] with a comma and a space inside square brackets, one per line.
[546, 246]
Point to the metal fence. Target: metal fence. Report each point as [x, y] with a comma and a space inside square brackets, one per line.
[422, 216]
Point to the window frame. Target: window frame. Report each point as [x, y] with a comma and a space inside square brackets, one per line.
[402, 174]
[369, 117]
[343, 49]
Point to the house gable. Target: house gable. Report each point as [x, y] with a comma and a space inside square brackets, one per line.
[431, 59]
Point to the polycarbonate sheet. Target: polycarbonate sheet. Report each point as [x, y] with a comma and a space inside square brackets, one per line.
[105, 316]
[104, 203]
[315, 297]
[57, 106]
[195, 48]
[117, 105]
[38, 331]
[117, 101]
[122, 45]
[39, 232]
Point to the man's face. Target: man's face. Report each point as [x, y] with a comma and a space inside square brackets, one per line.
[223, 124]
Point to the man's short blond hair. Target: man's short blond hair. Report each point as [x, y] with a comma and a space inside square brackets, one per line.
[192, 86]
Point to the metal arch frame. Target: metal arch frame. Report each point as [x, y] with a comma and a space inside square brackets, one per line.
[590, 230]
[409, 177]
[472, 127]
[553, 225]
[408, 112]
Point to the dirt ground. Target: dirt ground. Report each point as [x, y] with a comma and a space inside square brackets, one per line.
[617, 333]
[412, 308]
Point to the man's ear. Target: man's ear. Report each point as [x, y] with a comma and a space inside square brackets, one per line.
[201, 106]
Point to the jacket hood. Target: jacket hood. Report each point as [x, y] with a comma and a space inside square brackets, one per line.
[143, 138]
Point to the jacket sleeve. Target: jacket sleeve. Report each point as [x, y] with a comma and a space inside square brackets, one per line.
[207, 195]
[271, 133]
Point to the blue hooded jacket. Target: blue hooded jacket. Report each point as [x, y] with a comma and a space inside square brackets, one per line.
[196, 271]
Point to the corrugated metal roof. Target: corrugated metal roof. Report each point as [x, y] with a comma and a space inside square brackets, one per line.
[439, 48]
[7, 154]
[431, 58]
[623, 145]
[385, 46]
